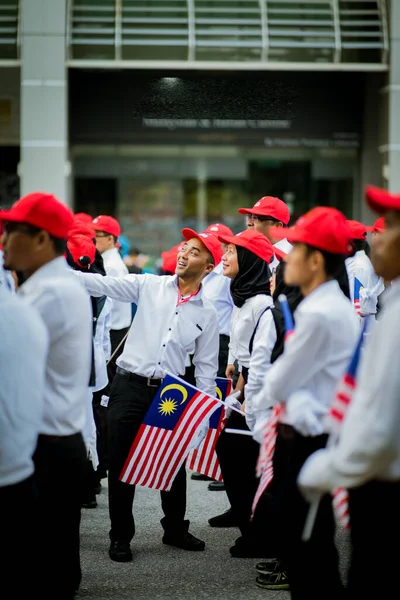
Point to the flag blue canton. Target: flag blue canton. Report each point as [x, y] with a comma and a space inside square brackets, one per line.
[170, 403]
[222, 387]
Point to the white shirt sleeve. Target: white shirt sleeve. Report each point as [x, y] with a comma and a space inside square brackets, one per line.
[124, 289]
[205, 357]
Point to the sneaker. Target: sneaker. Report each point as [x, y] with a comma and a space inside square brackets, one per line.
[274, 581]
[266, 567]
[120, 552]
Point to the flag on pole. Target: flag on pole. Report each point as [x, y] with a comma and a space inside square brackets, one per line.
[164, 438]
[204, 458]
[337, 412]
[264, 469]
[356, 296]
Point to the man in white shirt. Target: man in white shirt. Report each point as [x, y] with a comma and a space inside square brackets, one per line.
[23, 356]
[36, 230]
[366, 459]
[303, 380]
[108, 230]
[267, 213]
[174, 319]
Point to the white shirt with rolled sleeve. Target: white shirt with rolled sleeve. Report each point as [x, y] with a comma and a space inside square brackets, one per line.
[217, 288]
[243, 322]
[163, 332]
[121, 315]
[65, 308]
[305, 376]
[369, 443]
[23, 356]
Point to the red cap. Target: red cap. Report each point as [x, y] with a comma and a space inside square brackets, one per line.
[358, 230]
[269, 207]
[81, 228]
[82, 249]
[209, 240]
[254, 241]
[170, 257]
[378, 227]
[323, 227]
[219, 229]
[43, 211]
[84, 217]
[107, 224]
[380, 201]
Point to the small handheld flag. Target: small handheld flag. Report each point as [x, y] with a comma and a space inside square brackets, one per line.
[287, 316]
[356, 295]
[163, 441]
[204, 458]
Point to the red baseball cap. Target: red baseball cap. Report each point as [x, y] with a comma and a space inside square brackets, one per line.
[82, 216]
[378, 227]
[209, 240]
[43, 211]
[82, 249]
[254, 241]
[107, 224]
[268, 206]
[358, 230]
[380, 200]
[82, 228]
[219, 229]
[169, 258]
[323, 227]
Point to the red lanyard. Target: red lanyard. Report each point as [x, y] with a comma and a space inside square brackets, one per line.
[182, 299]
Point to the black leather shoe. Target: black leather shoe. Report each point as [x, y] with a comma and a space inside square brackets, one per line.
[120, 552]
[90, 503]
[200, 477]
[216, 486]
[184, 540]
[225, 520]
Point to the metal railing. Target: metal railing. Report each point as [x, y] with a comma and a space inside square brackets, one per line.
[225, 31]
[9, 31]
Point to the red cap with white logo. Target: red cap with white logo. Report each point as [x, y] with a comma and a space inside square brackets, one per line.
[208, 239]
[254, 241]
[268, 206]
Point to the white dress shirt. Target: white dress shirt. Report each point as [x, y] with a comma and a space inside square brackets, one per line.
[102, 345]
[114, 266]
[65, 308]
[359, 266]
[305, 376]
[217, 288]
[283, 245]
[260, 362]
[162, 333]
[23, 355]
[244, 320]
[369, 443]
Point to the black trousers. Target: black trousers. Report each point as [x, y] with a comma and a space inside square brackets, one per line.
[313, 566]
[238, 456]
[116, 337]
[223, 354]
[18, 514]
[60, 468]
[375, 527]
[129, 401]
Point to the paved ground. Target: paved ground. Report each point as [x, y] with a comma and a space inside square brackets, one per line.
[159, 572]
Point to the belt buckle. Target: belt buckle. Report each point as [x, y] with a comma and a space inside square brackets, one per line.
[149, 384]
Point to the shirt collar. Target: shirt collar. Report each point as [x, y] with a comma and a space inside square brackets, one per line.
[174, 281]
[329, 287]
[110, 252]
[57, 266]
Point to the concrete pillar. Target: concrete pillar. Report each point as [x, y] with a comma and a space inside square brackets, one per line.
[44, 162]
[201, 194]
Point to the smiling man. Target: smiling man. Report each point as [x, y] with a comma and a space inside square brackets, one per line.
[173, 319]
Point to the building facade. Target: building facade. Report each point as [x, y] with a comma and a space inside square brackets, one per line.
[176, 113]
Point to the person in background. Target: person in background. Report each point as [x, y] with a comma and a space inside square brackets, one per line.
[36, 232]
[365, 286]
[366, 459]
[108, 230]
[23, 357]
[8, 278]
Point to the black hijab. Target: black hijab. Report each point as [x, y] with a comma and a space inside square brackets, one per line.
[252, 279]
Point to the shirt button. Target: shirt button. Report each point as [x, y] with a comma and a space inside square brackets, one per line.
[170, 329]
[159, 363]
[176, 313]
[163, 345]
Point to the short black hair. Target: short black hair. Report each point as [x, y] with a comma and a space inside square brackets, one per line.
[333, 262]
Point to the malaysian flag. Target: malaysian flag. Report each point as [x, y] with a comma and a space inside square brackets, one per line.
[356, 295]
[337, 413]
[204, 458]
[264, 469]
[164, 438]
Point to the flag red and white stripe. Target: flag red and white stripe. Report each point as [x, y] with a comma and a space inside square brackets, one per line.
[157, 454]
[204, 459]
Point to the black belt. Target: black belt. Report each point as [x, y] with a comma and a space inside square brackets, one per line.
[149, 381]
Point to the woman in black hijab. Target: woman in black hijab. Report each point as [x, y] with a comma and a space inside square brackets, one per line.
[246, 264]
